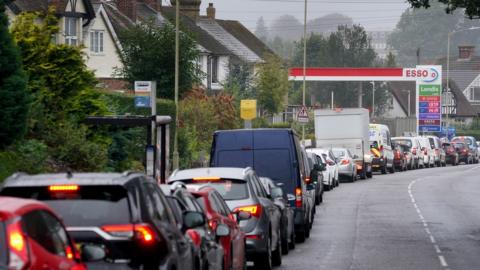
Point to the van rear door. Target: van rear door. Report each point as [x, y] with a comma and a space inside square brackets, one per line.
[232, 149]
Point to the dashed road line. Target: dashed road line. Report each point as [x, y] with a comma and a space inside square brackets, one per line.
[441, 258]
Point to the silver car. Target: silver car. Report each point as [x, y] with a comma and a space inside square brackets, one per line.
[243, 192]
[346, 164]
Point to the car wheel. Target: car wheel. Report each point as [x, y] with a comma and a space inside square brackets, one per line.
[291, 245]
[265, 261]
[285, 247]
[391, 169]
[307, 231]
[277, 254]
[300, 236]
[384, 169]
[369, 174]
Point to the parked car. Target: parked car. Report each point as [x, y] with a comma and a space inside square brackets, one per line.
[347, 168]
[224, 223]
[331, 163]
[208, 253]
[400, 157]
[439, 153]
[381, 147]
[415, 149]
[316, 175]
[288, 222]
[464, 154]
[428, 153]
[452, 156]
[242, 191]
[131, 216]
[471, 142]
[32, 236]
[273, 153]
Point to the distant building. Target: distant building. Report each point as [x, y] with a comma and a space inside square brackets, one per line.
[379, 43]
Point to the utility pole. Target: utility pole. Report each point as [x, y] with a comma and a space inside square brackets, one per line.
[177, 73]
[304, 64]
[373, 99]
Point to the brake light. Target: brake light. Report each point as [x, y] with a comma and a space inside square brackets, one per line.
[254, 210]
[142, 231]
[381, 148]
[345, 162]
[207, 178]
[212, 224]
[63, 188]
[425, 152]
[464, 150]
[397, 154]
[254, 236]
[298, 197]
[69, 252]
[308, 180]
[196, 239]
[414, 150]
[19, 258]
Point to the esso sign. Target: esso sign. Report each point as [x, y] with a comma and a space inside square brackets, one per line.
[427, 75]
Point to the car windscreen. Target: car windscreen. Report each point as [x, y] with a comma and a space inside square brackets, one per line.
[87, 206]
[229, 189]
[404, 142]
[3, 250]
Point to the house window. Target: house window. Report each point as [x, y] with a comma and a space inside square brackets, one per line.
[475, 93]
[71, 31]
[215, 69]
[96, 41]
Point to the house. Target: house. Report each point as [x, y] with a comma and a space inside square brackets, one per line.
[82, 22]
[379, 42]
[464, 70]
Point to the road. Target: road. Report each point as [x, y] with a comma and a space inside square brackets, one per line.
[423, 219]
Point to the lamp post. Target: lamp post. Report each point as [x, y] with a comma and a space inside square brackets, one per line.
[176, 158]
[304, 64]
[449, 36]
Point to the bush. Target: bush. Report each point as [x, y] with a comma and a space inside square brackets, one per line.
[28, 156]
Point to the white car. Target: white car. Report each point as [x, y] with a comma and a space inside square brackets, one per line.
[346, 163]
[332, 166]
[428, 152]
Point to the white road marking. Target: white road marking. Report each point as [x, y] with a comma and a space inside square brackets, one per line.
[442, 259]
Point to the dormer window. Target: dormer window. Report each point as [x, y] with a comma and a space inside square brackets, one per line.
[71, 37]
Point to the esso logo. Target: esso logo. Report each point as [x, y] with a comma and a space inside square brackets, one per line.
[426, 75]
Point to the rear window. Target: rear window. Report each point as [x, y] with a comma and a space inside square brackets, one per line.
[229, 189]
[3, 251]
[466, 140]
[338, 153]
[459, 145]
[89, 206]
[404, 142]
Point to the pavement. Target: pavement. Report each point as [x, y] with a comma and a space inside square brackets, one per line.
[423, 219]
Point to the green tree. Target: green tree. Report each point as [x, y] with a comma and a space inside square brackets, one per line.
[472, 7]
[272, 84]
[240, 81]
[261, 30]
[425, 31]
[14, 99]
[149, 55]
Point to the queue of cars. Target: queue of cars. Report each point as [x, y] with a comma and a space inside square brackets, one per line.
[254, 203]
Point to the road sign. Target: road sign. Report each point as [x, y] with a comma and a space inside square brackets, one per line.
[248, 109]
[302, 115]
[429, 90]
[143, 91]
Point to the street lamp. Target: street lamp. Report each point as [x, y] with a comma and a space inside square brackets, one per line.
[176, 157]
[449, 36]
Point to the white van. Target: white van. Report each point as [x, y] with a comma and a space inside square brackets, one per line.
[381, 147]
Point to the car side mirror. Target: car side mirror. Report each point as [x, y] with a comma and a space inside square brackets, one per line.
[92, 253]
[277, 192]
[243, 215]
[192, 219]
[222, 230]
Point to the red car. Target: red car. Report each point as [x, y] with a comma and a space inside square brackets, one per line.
[34, 238]
[221, 219]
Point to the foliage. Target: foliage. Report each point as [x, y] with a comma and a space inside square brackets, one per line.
[261, 30]
[472, 7]
[14, 99]
[200, 116]
[272, 85]
[286, 26]
[240, 82]
[426, 31]
[328, 23]
[149, 55]
[281, 47]
[25, 156]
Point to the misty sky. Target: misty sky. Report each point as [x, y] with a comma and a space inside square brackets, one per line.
[372, 14]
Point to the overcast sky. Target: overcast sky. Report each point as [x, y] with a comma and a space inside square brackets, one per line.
[372, 14]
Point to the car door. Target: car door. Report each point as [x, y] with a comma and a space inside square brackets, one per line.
[51, 246]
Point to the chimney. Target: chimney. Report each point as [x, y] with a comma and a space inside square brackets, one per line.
[465, 52]
[211, 11]
[128, 8]
[191, 8]
[155, 4]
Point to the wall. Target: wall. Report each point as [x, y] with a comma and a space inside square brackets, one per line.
[396, 110]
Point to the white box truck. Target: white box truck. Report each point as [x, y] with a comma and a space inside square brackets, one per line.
[346, 128]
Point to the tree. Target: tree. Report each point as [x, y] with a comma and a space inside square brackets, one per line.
[472, 7]
[149, 55]
[240, 82]
[286, 26]
[426, 30]
[14, 99]
[261, 31]
[328, 23]
[272, 84]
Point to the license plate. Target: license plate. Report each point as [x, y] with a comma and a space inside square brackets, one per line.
[375, 166]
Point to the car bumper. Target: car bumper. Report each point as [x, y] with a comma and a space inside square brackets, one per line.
[377, 164]
[255, 247]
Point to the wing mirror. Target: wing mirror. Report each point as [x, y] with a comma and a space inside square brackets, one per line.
[192, 219]
[222, 230]
[92, 253]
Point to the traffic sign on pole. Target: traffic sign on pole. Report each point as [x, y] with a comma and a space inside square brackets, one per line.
[302, 116]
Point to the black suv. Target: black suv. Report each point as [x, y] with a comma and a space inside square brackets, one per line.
[126, 213]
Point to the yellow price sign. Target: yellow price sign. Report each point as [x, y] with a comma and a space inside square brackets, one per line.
[248, 109]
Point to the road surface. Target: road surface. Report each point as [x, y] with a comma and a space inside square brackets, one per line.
[422, 219]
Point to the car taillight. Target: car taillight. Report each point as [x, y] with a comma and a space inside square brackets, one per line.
[425, 152]
[212, 224]
[63, 188]
[345, 162]
[298, 198]
[196, 238]
[397, 154]
[308, 180]
[464, 150]
[414, 150]
[19, 258]
[142, 232]
[254, 210]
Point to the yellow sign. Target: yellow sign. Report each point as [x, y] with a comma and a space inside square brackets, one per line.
[248, 109]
